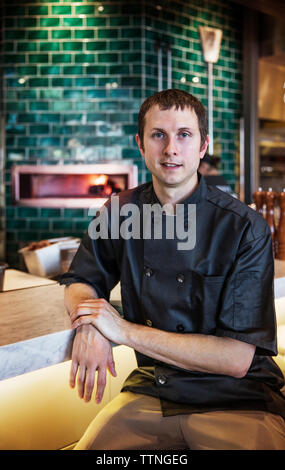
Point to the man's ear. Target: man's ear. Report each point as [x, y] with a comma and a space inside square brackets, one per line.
[204, 147]
[140, 145]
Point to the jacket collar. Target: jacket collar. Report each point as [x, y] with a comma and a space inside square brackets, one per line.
[148, 195]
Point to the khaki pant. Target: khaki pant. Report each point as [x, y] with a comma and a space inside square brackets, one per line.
[135, 421]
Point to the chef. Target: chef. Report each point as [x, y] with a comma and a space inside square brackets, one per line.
[201, 320]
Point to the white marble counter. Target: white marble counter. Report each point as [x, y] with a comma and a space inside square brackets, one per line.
[34, 326]
[15, 279]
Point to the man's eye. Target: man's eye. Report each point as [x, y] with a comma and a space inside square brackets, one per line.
[158, 135]
[185, 134]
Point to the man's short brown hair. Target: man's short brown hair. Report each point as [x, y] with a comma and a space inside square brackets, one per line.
[174, 98]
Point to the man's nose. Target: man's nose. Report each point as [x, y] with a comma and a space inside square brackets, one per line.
[171, 146]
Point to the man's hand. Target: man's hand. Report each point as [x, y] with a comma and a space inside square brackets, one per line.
[91, 352]
[103, 316]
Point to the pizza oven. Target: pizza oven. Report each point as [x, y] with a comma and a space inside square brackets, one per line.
[74, 186]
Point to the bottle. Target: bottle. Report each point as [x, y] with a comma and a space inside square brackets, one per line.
[270, 197]
[258, 199]
[280, 236]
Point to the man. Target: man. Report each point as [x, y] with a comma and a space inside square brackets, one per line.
[201, 320]
[209, 169]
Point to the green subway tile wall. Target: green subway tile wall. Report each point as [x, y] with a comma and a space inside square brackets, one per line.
[76, 73]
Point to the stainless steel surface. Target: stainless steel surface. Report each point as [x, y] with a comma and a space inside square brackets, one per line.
[159, 68]
[211, 42]
[241, 161]
[169, 68]
[210, 108]
[271, 100]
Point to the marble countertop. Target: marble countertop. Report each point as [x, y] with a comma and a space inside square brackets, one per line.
[35, 327]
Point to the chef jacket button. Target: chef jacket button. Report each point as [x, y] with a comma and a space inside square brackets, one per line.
[180, 278]
[148, 272]
[162, 379]
[149, 322]
[180, 327]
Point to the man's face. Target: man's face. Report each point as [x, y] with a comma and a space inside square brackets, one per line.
[172, 146]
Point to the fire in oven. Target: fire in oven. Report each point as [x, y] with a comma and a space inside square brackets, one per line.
[70, 185]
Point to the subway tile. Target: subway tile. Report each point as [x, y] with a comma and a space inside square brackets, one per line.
[72, 46]
[50, 141]
[26, 94]
[107, 57]
[37, 34]
[61, 10]
[62, 82]
[61, 34]
[49, 22]
[96, 21]
[72, 21]
[38, 224]
[96, 69]
[108, 33]
[51, 94]
[61, 58]
[50, 117]
[73, 94]
[39, 106]
[15, 106]
[72, 213]
[61, 105]
[27, 22]
[49, 70]
[85, 10]
[84, 34]
[39, 129]
[62, 224]
[49, 46]
[38, 10]
[27, 70]
[96, 46]
[24, 212]
[38, 58]
[83, 58]
[28, 141]
[72, 70]
[118, 45]
[26, 46]
[50, 213]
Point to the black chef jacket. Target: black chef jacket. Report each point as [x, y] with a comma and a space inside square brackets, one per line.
[223, 287]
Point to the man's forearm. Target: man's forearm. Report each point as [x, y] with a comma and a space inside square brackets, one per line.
[77, 293]
[205, 353]
[191, 351]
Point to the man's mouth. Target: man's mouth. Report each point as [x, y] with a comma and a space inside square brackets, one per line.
[171, 165]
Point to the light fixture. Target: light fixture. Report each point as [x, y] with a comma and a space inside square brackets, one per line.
[22, 80]
[101, 8]
[183, 79]
[195, 79]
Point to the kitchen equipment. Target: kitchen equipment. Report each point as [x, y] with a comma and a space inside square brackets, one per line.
[211, 42]
[46, 261]
[269, 199]
[280, 236]
[3, 266]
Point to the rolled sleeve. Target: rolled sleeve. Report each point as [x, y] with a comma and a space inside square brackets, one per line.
[247, 311]
[94, 264]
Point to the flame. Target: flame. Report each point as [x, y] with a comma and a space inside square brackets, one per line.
[100, 179]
